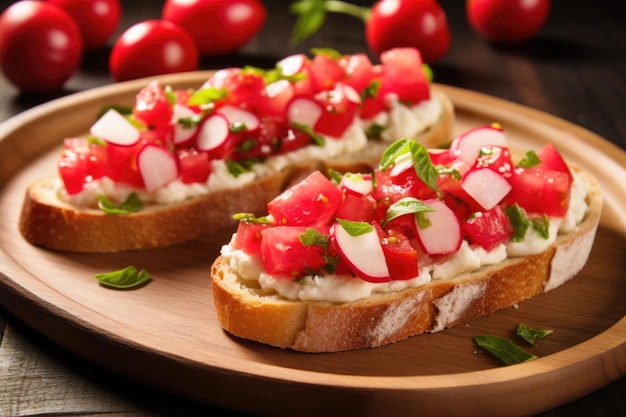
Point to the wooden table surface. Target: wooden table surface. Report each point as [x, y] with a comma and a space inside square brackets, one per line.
[574, 69]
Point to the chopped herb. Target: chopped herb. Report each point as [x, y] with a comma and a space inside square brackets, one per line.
[311, 237]
[207, 96]
[371, 91]
[375, 130]
[529, 160]
[541, 225]
[236, 168]
[444, 170]
[408, 205]
[329, 52]
[506, 351]
[251, 218]
[189, 122]
[170, 95]
[519, 221]
[532, 335]
[132, 204]
[237, 127]
[355, 228]
[317, 139]
[428, 71]
[125, 278]
[93, 140]
[123, 110]
[335, 176]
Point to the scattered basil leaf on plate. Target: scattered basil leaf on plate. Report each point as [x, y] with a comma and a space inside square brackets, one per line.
[532, 335]
[124, 278]
[503, 349]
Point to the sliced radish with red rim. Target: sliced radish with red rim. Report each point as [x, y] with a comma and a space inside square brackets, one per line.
[213, 133]
[486, 187]
[158, 167]
[443, 236]
[467, 146]
[115, 128]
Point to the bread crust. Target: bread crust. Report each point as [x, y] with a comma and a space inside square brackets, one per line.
[48, 221]
[246, 312]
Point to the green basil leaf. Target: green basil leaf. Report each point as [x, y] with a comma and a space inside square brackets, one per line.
[541, 225]
[529, 160]
[506, 351]
[532, 335]
[311, 17]
[312, 237]
[128, 277]
[428, 71]
[170, 95]
[519, 221]
[406, 205]
[355, 228]
[422, 163]
[132, 204]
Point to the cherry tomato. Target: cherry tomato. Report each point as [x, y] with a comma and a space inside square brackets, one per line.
[150, 48]
[507, 21]
[40, 46]
[97, 19]
[421, 24]
[218, 26]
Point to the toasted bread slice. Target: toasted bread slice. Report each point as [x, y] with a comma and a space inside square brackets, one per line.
[246, 311]
[48, 220]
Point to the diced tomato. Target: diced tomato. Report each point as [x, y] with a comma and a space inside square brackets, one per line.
[274, 98]
[356, 207]
[400, 255]
[341, 104]
[194, 165]
[359, 71]
[258, 143]
[81, 162]
[284, 254]
[489, 228]
[244, 87]
[403, 75]
[551, 159]
[391, 186]
[313, 201]
[325, 71]
[496, 158]
[293, 140]
[540, 191]
[248, 237]
[152, 106]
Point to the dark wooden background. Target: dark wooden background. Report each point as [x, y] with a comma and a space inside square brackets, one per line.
[575, 68]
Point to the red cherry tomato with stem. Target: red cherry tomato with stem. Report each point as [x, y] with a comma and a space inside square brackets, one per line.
[97, 19]
[40, 46]
[152, 47]
[420, 24]
[507, 21]
[218, 26]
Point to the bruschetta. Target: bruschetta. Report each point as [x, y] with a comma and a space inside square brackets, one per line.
[180, 163]
[429, 240]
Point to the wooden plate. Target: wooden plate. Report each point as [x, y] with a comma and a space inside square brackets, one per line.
[166, 335]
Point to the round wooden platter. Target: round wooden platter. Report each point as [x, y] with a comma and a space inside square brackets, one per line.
[165, 334]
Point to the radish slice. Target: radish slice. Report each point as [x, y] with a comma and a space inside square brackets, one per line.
[214, 132]
[360, 184]
[182, 133]
[444, 233]
[486, 187]
[236, 116]
[351, 94]
[292, 64]
[114, 128]
[157, 167]
[363, 254]
[304, 111]
[467, 146]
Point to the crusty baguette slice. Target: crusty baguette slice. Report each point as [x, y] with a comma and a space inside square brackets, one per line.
[247, 312]
[48, 221]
